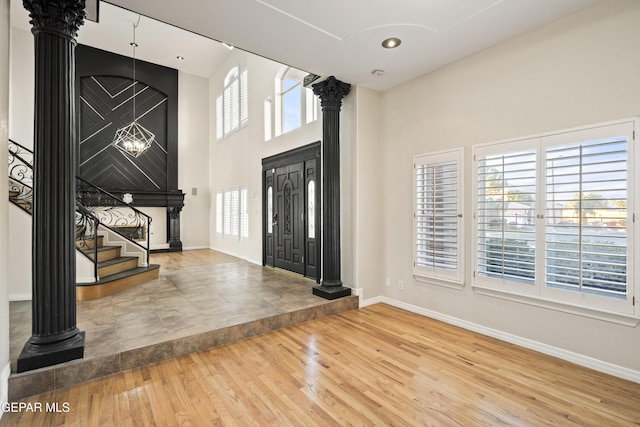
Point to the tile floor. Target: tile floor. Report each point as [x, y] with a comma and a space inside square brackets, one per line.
[198, 292]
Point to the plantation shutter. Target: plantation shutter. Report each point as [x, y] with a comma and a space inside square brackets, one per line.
[437, 216]
[244, 98]
[227, 212]
[586, 216]
[219, 210]
[235, 213]
[244, 214]
[506, 216]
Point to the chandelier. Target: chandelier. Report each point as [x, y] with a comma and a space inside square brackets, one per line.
[133, 138]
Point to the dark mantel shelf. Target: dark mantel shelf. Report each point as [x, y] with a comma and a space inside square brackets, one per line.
[173, 201]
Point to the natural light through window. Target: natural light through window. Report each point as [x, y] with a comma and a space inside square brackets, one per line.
[553, 216]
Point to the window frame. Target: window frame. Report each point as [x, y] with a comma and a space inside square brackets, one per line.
[588, 303]
[443, 276]
[308, 103]
[232, 105]
[232, 213]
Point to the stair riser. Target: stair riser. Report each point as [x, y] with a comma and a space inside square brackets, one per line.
[84, 293]
[106, 255]
[117, 268]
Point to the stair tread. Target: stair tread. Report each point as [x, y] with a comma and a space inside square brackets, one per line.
[100, 249]
[121, 275]
[116, 261]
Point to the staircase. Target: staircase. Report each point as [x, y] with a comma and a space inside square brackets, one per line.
[115, 272]
[116, 260]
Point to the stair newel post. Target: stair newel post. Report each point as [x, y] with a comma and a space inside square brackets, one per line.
[55, 337]
[148, 239]
[95, 248]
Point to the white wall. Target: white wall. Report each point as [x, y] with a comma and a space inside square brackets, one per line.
[367, 200]
[579, 70]
[22, 87]
[5, 368]
[237, 160]
[19, 257]
[193, 160]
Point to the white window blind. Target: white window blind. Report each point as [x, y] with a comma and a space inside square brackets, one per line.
[244, 214]
[506, 216]
[232, 107]
[244, 98]
[586, 216]
[554, 217]
[234, 212]
[219, 212]
[438, 215]
[227, 213]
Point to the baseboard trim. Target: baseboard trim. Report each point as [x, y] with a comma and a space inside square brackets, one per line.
[194, 248]
[372, 301]
[578, 359]
[233, 254]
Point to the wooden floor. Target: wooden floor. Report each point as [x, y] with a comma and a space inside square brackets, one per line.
[373, 366]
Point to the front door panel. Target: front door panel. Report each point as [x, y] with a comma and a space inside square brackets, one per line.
[289, 217]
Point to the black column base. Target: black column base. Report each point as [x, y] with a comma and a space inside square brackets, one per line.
[331, 292]
[36, 356]
[175, 246]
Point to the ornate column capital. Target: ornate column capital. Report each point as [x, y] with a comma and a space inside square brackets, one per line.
[331, 91]
[62, 16]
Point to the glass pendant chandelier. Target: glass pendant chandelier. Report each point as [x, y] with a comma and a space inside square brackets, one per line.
[133, 138]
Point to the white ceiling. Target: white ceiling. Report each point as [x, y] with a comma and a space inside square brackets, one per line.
[330, 37]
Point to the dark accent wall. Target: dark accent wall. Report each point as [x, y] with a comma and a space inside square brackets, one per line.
[104, 104]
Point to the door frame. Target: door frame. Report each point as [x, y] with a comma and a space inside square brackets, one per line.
[269, 164]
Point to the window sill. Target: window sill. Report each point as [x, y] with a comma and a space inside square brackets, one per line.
[452, 284]
[621, 319]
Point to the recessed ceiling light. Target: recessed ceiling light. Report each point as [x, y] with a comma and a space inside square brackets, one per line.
[378, 73]
[133, 44]
[391, 43]
[180, 58]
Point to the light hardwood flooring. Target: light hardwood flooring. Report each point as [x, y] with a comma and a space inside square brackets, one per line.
[372, 366]
[202, 298]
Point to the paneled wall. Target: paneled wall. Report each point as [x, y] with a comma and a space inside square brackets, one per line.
[105, 103]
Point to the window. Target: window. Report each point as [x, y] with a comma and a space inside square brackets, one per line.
[219, 215]
[232, 213]
[438, 243]
[311, 209]
[554, 217]
[244, 214]
[270, 210]
[293, 102]
[232, 107]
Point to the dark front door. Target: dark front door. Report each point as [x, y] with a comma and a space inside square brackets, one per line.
[288, 217]
[290, 214]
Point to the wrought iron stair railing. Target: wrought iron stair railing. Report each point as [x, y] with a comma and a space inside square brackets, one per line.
[20, 176]
[95, 208]
[115, 214]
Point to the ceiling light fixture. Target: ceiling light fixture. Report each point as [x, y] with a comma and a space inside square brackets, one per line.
[180, 58]
[378, 73]
[133, 138]
[391, 43]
